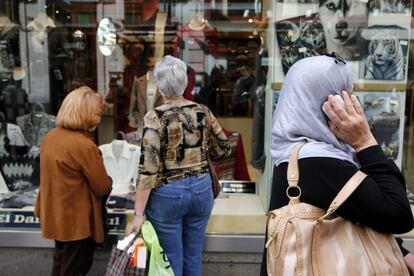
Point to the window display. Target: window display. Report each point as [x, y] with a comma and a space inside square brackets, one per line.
[342, 25]
[386, 57]
[385, 113]
[298, 38]
[36, 124]
[237, 54]
[234, 167]
[48, 48]
[144, 97]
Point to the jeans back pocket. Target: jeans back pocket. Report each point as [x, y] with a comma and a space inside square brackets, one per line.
[164, 207]
[205, 200]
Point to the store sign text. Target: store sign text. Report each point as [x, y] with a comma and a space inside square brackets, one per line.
[26, 219]
[18, 219]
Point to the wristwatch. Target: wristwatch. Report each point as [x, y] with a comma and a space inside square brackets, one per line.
[139, 214]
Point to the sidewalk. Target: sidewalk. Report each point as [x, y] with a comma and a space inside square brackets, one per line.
[38, 262]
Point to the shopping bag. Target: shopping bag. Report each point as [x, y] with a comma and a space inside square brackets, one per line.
[158, 264]
[119, 262]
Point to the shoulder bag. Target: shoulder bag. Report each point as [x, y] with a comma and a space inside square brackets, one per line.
[305, 240]
[215, 182]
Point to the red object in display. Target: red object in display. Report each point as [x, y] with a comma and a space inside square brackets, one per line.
[149, 7]
[233, 167]
[188, 92]
[193, 46]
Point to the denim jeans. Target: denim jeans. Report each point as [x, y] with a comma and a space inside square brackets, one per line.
[179, 212]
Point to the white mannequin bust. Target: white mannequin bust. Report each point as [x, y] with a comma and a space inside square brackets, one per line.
[41, 22]
[39, 25]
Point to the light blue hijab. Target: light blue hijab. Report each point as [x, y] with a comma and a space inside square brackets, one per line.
[299, 116]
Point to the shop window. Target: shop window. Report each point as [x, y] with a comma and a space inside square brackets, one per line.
[48, 48]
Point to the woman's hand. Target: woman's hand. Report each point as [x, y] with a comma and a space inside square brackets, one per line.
[349, 124]
[135, 225]
[409, 261]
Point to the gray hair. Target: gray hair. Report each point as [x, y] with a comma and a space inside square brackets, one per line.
[171, 76]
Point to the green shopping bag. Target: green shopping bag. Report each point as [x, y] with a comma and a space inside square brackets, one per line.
[158, 264]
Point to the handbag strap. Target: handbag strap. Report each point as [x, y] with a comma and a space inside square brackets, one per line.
[293, 174]
[293, 166]
[344, 193]
[131, 243]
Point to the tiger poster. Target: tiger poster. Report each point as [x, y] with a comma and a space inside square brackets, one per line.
[386, 56]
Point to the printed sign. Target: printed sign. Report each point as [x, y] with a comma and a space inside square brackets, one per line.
[238, 187]
[26, 219]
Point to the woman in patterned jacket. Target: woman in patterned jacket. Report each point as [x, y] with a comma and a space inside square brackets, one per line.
[174, 188]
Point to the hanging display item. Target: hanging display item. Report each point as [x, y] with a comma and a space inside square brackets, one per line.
[39, 27]
[342, 23]
[20, 169]
[386, 57]
[298, 38]
[385, 115]
[9, 48]
[36, 124]
[390, 6]
[106, 37]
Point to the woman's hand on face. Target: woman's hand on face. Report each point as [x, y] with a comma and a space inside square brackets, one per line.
[409, 261]
[349, 124]
[135, 225]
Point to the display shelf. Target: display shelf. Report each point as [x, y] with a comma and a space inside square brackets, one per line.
[237, 215]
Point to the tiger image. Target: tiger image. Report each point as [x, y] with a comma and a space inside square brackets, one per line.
[385, 59]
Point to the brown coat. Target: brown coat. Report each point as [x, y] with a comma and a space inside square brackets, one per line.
[72, 182]
[138, 101]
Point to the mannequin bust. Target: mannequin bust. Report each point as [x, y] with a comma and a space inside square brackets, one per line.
[197, 23]
[39, 27]
[41, 22]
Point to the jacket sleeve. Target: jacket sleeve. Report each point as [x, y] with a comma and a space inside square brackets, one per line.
[149, 164]
[219, 144]
[93, 169]
[380, 202]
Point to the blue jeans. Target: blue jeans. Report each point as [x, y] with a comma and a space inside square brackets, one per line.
[179, 212]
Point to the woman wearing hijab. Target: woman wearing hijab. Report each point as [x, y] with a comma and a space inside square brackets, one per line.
[335, 149]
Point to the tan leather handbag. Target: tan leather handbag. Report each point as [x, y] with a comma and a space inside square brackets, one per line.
[305, 240]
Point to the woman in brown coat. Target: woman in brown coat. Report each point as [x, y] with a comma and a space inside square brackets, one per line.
[73, 181]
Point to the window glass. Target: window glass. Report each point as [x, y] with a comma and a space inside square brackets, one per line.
[48, 48]
[237, 53]
[374, 37]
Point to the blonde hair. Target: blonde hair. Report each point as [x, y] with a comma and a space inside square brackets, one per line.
[82, 109]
